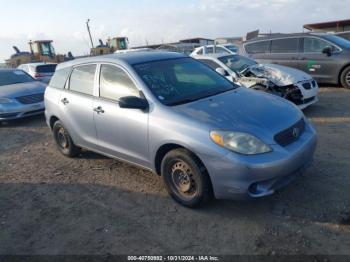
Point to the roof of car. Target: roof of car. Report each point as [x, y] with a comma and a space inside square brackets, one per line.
[215, 55]
[128, 58]
[277, 36]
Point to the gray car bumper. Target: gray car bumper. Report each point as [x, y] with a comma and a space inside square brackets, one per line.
[242, 177]
[17, 110]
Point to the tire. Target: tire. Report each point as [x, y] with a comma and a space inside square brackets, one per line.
[345, 77]
[185, 178]
[64, 141]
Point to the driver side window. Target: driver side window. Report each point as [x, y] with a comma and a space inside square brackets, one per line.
[315, 45]
[115, 83]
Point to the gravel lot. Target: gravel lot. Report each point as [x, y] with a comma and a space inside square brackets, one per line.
[50, 204]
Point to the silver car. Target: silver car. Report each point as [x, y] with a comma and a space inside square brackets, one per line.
[175, 116]
[40, 71]
[20, 95]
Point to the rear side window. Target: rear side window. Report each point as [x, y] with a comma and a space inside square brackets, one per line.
[258, 47]
[82, 79]
[59, 79]
[50, 68]
[115, 83]
[209, 50]
[287, 45]
[314, 45]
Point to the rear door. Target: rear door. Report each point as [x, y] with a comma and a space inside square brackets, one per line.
[259, 51]
[76, 105]
[121, 132]
[285, 51]
[312, 61]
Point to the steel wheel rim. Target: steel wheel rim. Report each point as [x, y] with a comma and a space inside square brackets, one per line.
[62, 138]
[183, 179]
[347, 78]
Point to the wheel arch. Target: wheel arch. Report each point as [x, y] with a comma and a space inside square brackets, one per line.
[53, 120]
[164, 149]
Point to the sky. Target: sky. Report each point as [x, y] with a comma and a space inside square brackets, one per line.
[153, 21]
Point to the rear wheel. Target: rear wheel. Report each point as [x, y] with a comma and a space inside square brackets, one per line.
[186, 178]
[64, 141]
[345, 77]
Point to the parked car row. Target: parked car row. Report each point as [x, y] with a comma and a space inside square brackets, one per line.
[174, 115]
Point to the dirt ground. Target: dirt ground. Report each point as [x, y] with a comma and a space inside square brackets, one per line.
[50, 204]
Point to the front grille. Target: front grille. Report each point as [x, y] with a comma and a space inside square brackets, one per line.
[8, 115]
[307, 85]
[31, 99]
[291, 134]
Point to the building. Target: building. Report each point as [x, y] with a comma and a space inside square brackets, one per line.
[228, 40]
[332, 26]
[340, 28]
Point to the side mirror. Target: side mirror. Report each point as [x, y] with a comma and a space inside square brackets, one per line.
[222, 71]
[327, 50]
[133, 102]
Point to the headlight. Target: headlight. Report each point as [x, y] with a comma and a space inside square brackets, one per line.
[4, 100]
[238, 142]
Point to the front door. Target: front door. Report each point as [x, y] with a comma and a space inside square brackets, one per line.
[121, 132]
[317, 64]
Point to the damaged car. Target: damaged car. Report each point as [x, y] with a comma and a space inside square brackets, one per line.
[289, 83]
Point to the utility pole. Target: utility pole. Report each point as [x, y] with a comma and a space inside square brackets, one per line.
[88, 28]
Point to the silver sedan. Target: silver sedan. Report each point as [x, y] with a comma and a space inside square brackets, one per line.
[20, 95]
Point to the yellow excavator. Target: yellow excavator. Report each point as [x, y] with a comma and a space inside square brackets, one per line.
[40, 51]
[112, 45]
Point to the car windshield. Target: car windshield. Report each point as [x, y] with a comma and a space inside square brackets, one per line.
[183, 80]
[338, 41]
[11, 77]
[237, 63]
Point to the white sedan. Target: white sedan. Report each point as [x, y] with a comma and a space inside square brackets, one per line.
[292, 84]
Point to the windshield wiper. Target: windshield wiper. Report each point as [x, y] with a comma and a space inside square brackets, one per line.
[183, 101]
[209, 94]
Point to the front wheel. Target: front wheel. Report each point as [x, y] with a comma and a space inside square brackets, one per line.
[345, 77]
[186, 178]
[64, 141]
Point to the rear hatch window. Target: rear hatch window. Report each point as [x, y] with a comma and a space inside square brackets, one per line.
[46, 68]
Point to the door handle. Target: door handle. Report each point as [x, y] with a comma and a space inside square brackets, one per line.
[99, 110]
[65, 101]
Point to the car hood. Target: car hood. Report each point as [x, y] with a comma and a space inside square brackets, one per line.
[279, 75]
[22, 89]
[243, 110]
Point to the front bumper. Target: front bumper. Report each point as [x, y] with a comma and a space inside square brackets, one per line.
[16, 110]
[309, 96]
[242, 177]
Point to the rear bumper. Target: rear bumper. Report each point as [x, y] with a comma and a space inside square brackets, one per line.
[16, 111]
[242, 177]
